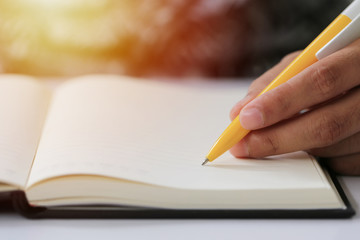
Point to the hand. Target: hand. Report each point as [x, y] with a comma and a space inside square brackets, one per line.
[329, 93]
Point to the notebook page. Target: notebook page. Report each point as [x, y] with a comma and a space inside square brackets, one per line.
[155, 133]
[23, 105]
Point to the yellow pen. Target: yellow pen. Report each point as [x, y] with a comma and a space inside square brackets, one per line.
[235, 132]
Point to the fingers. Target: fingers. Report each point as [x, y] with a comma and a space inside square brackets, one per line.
[326, 126]
[350, 145]
[259, 84]
[347, 165]
[320, 82]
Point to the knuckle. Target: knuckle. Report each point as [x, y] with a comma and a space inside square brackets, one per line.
[272, 144]
[277, 103]
[270, 100]
[263, 144]
[324, 78]
[282, 98]
[328, 130]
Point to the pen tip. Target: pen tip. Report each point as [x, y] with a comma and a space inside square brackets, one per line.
[205, 162]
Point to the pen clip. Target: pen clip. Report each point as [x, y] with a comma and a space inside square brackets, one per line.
[346, 36]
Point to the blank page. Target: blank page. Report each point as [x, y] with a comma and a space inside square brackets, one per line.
[23, 105]
[155, 133]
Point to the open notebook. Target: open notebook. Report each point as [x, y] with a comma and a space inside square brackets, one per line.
[115, 144]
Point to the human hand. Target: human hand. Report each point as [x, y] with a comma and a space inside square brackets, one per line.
[330, 128]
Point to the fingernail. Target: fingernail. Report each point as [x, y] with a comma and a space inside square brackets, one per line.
[251, 118]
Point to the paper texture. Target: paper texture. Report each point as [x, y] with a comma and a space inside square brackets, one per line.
[154, 133]
[23, 105]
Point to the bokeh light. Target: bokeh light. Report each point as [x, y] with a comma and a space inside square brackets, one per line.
[216, 38]
[134, 37]
[56, 4]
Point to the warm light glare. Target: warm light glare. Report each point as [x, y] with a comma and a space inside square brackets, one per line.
[62, 36]
[132, 37]
[62, 4]
[51, 3]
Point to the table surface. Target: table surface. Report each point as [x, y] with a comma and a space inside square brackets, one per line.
[13, 226]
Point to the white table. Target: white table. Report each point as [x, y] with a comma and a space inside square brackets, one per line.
[13, 226]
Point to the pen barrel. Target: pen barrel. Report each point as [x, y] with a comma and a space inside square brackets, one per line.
[232, 135]
[235, 132]
[308, 56]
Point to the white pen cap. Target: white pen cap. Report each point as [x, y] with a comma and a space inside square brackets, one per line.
[348, 35]
[352, 10]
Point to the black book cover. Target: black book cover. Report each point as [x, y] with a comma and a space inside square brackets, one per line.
[22, 206]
